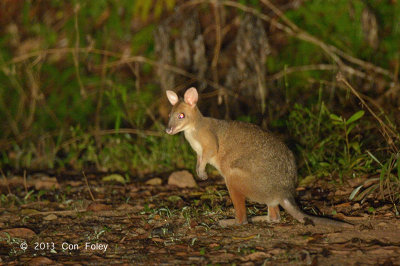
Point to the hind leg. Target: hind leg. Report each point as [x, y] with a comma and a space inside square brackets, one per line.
[239, 203]
[273, 215]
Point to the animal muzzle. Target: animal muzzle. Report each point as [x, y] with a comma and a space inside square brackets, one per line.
[169, 130]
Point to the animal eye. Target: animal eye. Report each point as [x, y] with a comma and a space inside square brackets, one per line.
[181, 115]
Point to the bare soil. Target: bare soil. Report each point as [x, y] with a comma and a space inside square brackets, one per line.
[162, 224]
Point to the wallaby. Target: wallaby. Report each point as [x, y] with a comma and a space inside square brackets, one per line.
[254, 163]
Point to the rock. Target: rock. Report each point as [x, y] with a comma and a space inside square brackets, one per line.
[154, 181]
[182, 179]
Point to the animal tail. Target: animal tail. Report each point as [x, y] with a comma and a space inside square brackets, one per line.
[291, 207]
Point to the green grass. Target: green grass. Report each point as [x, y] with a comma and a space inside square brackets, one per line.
[326, 143]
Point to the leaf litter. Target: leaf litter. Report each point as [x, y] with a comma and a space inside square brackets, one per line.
[160, 223]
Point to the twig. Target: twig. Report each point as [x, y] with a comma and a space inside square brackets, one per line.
[176, 70]
[331, 50]
[75, 53]
[99, 103]
[217, 50]
[143, 132]
[294, 30]
[387, 132]
[321, 67]
[6, 181]
[33, 99]
[257, 13]
[87, 184]
[281, 15]
[136, 72]
[173, 69]
[217, 47]
[290, 70]
[26, 187]
[57, 212]
[362, 63]
[23, 57]
[113, 131]
[340, 85]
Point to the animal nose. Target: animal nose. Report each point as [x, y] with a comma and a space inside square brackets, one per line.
[168, 130]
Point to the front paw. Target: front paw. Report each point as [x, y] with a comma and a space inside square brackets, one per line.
[202, 175]
[231, 222]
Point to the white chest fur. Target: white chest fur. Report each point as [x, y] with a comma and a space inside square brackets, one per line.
[195, 144]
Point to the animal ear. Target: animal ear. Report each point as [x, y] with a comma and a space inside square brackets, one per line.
[191, 96]
[172, 97]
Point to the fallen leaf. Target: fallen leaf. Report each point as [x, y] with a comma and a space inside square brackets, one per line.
[255, 256]
[50, 217]
[276, 251]
[47, 183]
[244, 238]
[193, 224]
[18, 232]
[343, 205]
[154, 181]
[307, 181]
[182, 179]
[196, 193]
[140, 231]
[73, 183]
[174, 198]
[98, 207]
[41, 261]
[114, 177]
[126, 207]
[223, 257]
[28, 212]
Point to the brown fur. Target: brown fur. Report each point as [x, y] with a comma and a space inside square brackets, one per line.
[254, 163]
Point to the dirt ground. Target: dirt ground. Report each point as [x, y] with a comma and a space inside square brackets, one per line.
[55, 220]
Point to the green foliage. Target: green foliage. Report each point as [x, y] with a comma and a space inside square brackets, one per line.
[49, 123]
[144, 7]
[334, 21]
[326, 143]
[123, 152]
[387, 185]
